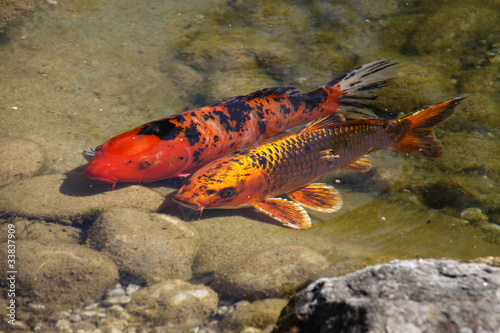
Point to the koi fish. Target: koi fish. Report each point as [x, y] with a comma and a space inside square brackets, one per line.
[290, 163]
[180, 144]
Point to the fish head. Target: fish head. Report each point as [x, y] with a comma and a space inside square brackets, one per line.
[133, 157]
[224, 183]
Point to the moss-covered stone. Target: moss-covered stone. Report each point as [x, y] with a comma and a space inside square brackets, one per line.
[258, 314]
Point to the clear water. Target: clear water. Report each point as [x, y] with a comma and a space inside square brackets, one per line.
[76, 73]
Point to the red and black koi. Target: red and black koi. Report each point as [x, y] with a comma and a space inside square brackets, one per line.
[182, 143]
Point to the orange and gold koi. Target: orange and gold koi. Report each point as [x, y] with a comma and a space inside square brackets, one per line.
[290, 163]
[181, 144]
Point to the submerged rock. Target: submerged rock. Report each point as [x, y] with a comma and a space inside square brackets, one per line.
[174, 301]
[151, 247]
[67, 198]
[60, 273]
[401, 296]
[258, 314]
[20, 159]
[275, 272]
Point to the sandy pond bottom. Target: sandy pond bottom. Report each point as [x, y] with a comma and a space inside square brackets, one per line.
[77, 73]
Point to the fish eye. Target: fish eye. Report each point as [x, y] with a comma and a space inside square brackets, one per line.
[97, 150]
[227, 192]
[144, 164]
[210, 192]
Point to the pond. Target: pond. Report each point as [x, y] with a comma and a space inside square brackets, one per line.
[76, 73]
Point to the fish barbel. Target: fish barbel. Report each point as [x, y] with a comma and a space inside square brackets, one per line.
[290, 163]
[181, 144]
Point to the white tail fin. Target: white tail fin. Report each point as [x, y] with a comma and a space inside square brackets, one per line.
[361, 84]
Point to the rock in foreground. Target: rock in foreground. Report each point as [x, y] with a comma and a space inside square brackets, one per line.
[401, 296]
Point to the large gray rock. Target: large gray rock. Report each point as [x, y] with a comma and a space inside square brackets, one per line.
[401, 296]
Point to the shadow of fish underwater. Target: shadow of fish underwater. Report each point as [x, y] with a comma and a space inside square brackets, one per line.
[290, 163]
[181, 144]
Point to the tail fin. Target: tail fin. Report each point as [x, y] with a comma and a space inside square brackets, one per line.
[361, 84]
[420, 137]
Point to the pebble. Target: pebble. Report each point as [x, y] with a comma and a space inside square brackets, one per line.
[117, 300]
[474, 216]
[276, 272]
[174, 301]
[150, 247]
[132, 288]
[63, 325]
[20, 159]
[258, 314]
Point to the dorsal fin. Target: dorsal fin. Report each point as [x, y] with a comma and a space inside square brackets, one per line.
[324, 122]
[262, 93]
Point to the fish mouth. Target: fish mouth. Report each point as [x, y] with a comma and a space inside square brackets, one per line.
[89, 174]
[191, 204]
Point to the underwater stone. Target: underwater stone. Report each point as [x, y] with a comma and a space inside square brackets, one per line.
[150, 247]
[258, 314]
[401, 296]
[275, 272]
[474, 216]
[20, 159]
[174, 301]
[454, 27]
[242, 83]
[41, 231]
[46, 272]
[68, 198]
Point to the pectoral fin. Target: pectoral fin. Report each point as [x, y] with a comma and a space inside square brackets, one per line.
[318, 196]
[290, 214]
[363, 164]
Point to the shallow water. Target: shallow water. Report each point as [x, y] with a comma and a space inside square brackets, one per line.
[79, 72]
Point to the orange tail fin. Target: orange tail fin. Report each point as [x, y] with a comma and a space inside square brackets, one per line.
[420, 137]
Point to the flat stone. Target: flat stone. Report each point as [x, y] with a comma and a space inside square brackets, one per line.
[67, 198]
[151, 247]
[272, 273]
[401, 296]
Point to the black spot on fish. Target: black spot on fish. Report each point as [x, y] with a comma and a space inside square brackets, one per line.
[165, 129]
[262, 161]
[208, 116]
[196, 156]
[180, 118]
[192, 134]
